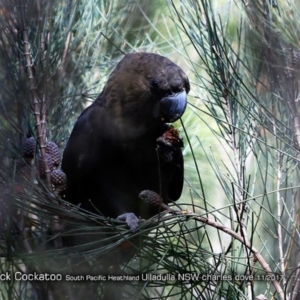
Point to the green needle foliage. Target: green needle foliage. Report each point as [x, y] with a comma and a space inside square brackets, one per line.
[235, 234]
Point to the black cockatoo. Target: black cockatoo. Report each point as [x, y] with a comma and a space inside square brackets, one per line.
[122, 143]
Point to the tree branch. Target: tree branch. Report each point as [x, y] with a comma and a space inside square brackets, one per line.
[40, 128]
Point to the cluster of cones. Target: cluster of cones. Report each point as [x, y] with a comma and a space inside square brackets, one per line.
[53, 158]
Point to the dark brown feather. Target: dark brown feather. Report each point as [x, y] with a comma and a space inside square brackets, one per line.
[116, 149]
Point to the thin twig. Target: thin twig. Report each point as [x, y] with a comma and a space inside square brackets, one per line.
[232, 134]
[64, 56]
[279, 211]
[236, 236]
